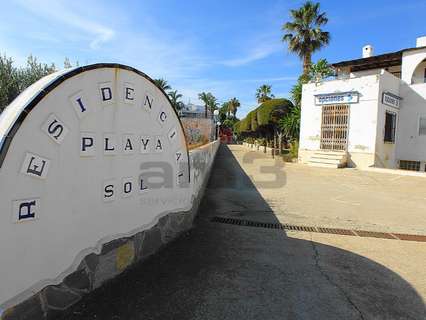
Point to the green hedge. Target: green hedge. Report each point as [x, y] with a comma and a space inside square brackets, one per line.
[272, 110]
[245, 124]
[268, 113]
[253, 119]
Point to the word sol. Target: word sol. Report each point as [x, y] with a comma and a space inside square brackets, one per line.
[154, 175]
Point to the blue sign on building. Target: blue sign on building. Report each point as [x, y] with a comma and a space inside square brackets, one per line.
[337, 98]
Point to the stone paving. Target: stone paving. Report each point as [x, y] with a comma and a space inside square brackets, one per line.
[222, 271]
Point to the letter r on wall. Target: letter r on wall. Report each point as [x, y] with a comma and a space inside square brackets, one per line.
[25, 210]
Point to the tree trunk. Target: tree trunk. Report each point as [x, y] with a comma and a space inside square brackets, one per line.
[274, 147]
[280, 143]
[205, 111]
[307, 63]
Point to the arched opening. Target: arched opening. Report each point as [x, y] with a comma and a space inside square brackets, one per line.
[419, 74]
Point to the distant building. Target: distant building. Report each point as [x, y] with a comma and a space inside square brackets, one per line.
[198, 128]
[194, 111]
[373, 114]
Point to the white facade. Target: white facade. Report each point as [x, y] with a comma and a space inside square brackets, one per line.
[398, 89]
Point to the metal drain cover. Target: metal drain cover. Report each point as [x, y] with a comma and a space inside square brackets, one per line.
[337, 231]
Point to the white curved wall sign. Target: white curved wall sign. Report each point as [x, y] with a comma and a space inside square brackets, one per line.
[87, 155]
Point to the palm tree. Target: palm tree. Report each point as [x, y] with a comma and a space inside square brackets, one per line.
[304, 35]
[263, 93]
[162, 84]
[210, 101]
[213, 104]
[290, 124]
[206, 99]
[233, 105]
[174, 99]
[225, 108]
[320, 70]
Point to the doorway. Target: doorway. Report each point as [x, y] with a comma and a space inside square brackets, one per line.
[334, 127]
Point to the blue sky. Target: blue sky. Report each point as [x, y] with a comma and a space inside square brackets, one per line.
[227, 47]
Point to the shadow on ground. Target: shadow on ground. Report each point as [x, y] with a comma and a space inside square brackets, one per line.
[220, 271]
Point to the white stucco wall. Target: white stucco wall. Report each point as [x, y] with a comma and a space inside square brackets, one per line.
[363, 115]
[385, 156]
[410, 60]
[419, 73]
[411, 146]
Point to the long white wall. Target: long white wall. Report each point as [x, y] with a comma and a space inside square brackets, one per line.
[88, 156]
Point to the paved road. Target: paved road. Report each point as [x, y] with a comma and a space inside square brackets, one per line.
[222, 271]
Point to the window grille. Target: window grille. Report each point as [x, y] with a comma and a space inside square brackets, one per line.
[422, 126]
[334, 127]
[390, 126]
[409, 165]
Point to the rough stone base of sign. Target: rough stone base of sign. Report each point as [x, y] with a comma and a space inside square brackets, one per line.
[95, 269]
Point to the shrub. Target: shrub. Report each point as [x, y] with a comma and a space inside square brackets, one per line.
[249, 140]
[294, 149]
[270, 111]
[291, 154]
[253, 118]
[245, 124]
[261, 141]
[14, 80]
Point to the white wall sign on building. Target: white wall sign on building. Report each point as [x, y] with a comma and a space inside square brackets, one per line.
[391, 99]
[335, 98]
[84, 155]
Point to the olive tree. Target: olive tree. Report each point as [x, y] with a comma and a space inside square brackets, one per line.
[14, 80]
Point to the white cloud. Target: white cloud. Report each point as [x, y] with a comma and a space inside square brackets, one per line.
[79, 29]
[158, 52]
[268, 80]
[62, 12]
[258, 53]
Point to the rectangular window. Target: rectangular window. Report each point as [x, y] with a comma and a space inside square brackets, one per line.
[422, 126]
[409, 165]
[390, 126]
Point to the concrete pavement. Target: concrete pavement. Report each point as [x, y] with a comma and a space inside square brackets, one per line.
[221, 271]
[345, 198]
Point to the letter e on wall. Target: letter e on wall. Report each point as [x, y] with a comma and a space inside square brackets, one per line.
[35, 166]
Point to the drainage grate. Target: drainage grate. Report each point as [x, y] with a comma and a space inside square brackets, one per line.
[410, 237]
[372, 234]
[299, 228]
[344, 232]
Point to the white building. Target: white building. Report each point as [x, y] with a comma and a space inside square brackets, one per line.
[191, 110]
[373, 114]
